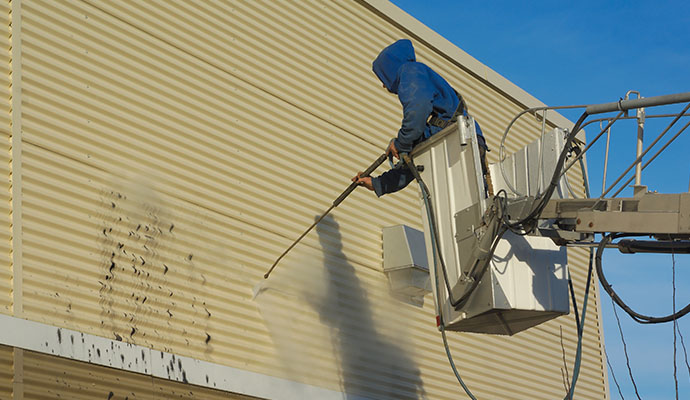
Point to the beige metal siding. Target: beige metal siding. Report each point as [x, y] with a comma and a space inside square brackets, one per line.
[50, 377]
[5, 137]
[171, 150]
[6, 372]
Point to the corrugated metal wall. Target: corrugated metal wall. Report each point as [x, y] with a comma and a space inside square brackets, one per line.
[171, 150]
[6, 372]
[5, 136]
[78, 380]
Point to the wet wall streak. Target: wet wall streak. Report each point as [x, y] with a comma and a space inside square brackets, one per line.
[372, 365]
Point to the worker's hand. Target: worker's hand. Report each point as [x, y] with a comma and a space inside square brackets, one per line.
[392, 150]
[363, 181]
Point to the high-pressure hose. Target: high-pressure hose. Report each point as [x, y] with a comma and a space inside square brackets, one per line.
[493, 233]
[528, 223]
[499, 219]
[580, 330]
[485, 249]
[436, 251]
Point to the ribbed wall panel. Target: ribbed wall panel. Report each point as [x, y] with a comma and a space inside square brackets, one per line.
[5, 149]
[6, 372]
[50, 377]
[5, 120]
[172, 150]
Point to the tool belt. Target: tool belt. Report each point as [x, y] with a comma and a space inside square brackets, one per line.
[435, 120]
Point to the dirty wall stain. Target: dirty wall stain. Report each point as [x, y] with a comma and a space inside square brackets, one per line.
[137, 300]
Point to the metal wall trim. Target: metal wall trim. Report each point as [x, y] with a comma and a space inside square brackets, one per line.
[16, 160]
[18, 370]
[70, 344]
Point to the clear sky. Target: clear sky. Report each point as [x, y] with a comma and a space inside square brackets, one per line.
[585, 52]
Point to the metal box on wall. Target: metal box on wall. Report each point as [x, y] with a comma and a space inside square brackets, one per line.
[405, 261]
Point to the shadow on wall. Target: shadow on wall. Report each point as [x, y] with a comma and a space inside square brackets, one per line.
[545, 262]
[371, 364]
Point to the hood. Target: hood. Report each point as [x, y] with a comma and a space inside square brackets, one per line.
[389, 61]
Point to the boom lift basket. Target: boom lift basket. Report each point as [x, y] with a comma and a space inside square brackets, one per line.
[526, 281]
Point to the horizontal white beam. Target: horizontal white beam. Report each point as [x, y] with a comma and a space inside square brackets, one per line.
[75, 345]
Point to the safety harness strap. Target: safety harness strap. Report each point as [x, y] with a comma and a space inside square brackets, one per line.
[435, 120]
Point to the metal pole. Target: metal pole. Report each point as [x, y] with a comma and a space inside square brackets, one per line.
[582, 153]
[606, 157]
[640, 115]
[624, 105]
[653, 157]
[541, 152]
[661, 135]
[640, 136]
[590, 245]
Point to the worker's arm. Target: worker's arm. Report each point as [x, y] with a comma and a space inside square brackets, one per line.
[416, 95]
[392, 181]
[389, 182]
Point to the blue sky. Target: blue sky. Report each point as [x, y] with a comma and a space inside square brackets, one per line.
[594, 52]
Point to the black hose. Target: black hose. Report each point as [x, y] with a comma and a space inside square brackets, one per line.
[643, 319]
[574, 300]
[528, 223]
[437, 245]
[580, 332]
[500, 204]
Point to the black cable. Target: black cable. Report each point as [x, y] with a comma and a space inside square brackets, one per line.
[528, 223]
[437, 251]
[580, 333]
[613, 374]
[523, 227]
[572, 296]
[643, 319]
[625, 350]
[579, 330]
[675, 321]
[685, 350]
[434, 232]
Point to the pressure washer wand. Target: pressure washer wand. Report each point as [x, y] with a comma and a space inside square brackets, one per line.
[335, 204]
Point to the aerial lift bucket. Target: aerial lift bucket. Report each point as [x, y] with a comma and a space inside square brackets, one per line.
[526, 281]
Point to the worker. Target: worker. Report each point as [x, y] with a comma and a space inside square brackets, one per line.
[429, 105]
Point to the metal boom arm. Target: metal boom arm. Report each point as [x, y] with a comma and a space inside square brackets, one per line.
[648, 213]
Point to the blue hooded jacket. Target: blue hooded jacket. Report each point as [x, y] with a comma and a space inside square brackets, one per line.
[422, 92]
